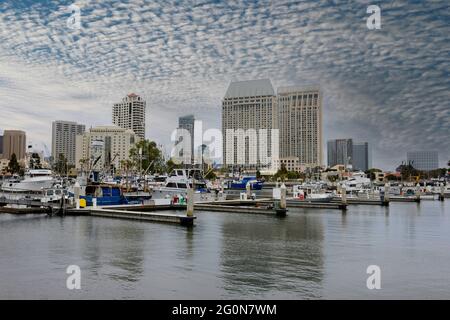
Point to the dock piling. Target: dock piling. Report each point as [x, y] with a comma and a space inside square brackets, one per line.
[442, 193]
[76, 193]
[190, 203]
[386, 199]
[344, 195]
[281, 211]
[418, 193]
[248, 190]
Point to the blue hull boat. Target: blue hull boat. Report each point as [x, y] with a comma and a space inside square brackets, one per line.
[106, 195]
[242, 184]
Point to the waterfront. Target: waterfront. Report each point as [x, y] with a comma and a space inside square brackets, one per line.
[310, 254]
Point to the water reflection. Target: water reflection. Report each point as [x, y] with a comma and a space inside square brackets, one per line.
[127, 256]
[273, 255]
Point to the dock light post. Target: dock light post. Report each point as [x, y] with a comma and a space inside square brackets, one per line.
[190, 202]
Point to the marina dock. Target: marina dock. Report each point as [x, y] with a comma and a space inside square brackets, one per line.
[136, 215]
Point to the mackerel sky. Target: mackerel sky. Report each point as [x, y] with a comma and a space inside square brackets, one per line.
[390, 87]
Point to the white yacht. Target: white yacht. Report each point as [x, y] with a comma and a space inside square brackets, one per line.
[357, 182]
[179, 180]
[35, 180]
[310, 194]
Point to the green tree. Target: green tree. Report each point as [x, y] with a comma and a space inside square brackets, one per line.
[13, 165]
[35, 161]
[291, 175]
[149, 159]
[211, 175]
[371, 173]
[61, 165]
[170, 165]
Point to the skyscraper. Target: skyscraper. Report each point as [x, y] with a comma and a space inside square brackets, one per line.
[247, 108]
[14, 141]
[361, 156]
[64, 138]
[187, 123]
[423, 160]
[1, 147]
[130, 114]
[340, 151]
[300, 124]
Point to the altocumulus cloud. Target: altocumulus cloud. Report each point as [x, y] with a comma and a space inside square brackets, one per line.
[389, 87]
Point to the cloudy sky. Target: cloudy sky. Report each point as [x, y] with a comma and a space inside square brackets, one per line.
[390, 87]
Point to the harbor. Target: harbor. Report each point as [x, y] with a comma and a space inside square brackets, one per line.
[309, 254]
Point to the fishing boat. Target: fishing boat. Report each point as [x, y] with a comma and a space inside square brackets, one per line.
[106, 194]
[241, 184]
[178, 182]
[34, 180]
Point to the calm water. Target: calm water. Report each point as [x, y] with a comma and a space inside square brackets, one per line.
[307, 255]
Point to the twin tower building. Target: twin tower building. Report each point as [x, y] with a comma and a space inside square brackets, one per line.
[284, 126]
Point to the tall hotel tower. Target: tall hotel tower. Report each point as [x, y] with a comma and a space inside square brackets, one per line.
[300, 124]
[248, 105]
[64, 138]
[130, 114]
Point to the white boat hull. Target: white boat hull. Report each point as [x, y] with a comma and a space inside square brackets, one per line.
[27, 186]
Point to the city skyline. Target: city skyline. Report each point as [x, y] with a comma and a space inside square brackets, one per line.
[369, 78]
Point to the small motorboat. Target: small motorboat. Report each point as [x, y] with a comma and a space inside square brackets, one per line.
[241, 184]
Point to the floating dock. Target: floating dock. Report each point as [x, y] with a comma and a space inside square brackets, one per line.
[242, 206]
[362, 201]
[135, 215]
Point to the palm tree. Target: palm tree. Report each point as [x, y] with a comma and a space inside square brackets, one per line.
[126, 165]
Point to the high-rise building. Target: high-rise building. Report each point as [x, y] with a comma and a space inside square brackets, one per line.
[340, 151]
[248, 114]
[14, 141]
[130, 114]
[300, 124]
[1, 147]
[104, 146]
[423, 160]
[187, 123]
[64, 138]
[361, 156]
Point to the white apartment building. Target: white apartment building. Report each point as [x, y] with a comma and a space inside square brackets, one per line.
[130, 114]
[64, 138]
[300, 124]
[250, 106]
[109, 144]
